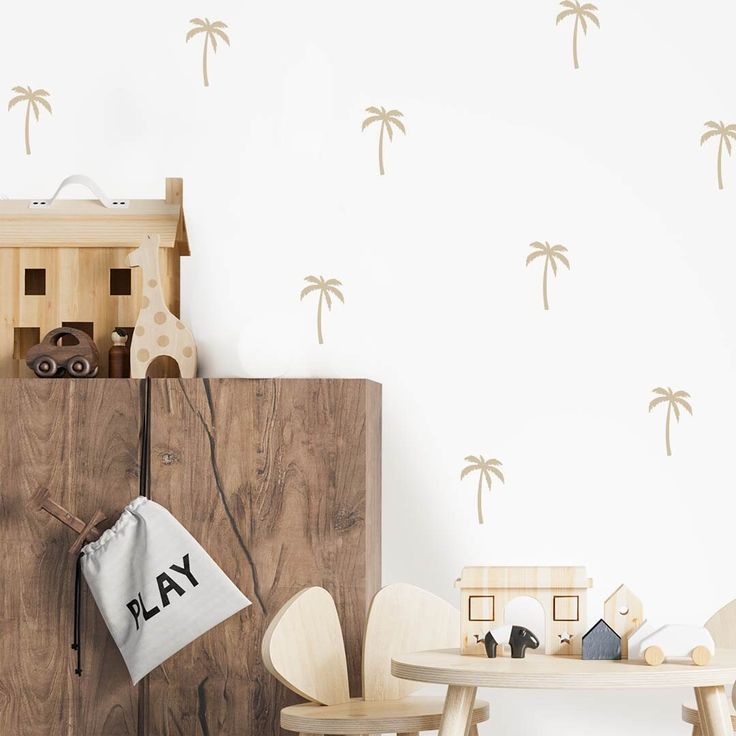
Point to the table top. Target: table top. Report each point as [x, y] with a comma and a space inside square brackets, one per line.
[449, 667]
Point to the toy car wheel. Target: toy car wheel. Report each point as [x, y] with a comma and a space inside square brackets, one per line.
[78, 366]
[700, 655]
[654, 656]
[45, 366]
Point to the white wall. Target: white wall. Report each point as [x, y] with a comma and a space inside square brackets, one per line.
[505, 144]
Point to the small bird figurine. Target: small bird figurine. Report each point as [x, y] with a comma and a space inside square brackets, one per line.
[565, 638]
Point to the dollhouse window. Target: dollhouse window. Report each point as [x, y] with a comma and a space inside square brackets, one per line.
[87, 327]
[35, 281]
[24, 338]
[120, 282]
[566, 608]
[482, 608]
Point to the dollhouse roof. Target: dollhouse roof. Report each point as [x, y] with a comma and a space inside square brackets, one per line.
[86, 223]
[524, 577]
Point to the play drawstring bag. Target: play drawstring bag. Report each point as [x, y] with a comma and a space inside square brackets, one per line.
[155, 586]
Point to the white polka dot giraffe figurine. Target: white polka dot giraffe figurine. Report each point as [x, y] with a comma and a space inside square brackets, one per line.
[157, 332]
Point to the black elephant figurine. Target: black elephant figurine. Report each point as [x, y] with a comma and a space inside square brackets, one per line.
[519, 638]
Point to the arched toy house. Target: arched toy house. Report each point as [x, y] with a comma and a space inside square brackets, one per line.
[562, 591]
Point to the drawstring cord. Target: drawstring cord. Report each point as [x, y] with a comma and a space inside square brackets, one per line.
[143, 476]
[77, 635]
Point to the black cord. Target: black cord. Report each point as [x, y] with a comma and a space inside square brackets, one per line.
[77, 634]
[145, 442]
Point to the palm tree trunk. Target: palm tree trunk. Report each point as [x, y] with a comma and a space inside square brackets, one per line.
[667, 430]
[480, 499]
[544, 283]
[380, 150]
[720, 154]
[28, 130]
[204, 61]
[319, 319]
[575, 44]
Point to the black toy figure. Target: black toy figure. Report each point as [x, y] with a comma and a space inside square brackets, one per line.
[518, 637]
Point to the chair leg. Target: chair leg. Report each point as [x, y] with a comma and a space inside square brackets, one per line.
[697, 731]
[473, 731]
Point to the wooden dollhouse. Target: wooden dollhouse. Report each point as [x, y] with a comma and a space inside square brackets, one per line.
[562, 592]
[65, 263]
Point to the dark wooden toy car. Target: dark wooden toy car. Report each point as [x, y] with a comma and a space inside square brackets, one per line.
[51, 359]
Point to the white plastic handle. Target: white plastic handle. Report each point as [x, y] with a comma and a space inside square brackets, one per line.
[85, 181]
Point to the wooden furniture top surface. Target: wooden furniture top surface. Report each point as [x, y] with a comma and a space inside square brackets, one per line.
[539, 671]
[479, 576]
[416, 713]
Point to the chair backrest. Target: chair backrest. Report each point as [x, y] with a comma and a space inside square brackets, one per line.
[722, 626]
[303, 648]
[403, 618]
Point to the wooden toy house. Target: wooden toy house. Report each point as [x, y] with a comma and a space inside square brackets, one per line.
[562, 592]
[66, 264]
[601, 642]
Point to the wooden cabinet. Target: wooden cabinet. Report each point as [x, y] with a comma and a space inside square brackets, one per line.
[278, 479]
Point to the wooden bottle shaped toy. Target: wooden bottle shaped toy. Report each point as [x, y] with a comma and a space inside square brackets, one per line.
[157, 331]
[119, 356]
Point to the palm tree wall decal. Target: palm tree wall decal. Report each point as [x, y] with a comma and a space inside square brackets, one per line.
[211, 33]
[552, 254]
[326, 289]
[725, 133]
[675, 400]
[484, 468]
[583, 14]
[33, 98]
[387, 118]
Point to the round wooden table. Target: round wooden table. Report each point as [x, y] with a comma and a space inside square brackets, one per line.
[464, 674]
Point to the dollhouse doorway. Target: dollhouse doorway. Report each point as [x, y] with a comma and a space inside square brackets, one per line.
[529, 612]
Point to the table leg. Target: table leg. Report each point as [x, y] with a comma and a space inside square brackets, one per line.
[715, 713]
[458, 711]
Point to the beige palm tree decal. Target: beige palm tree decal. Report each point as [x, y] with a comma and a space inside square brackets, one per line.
[212, 31]
[326, 289]
[33, 98]
[725, 133]
[675, 400]
[484, 468]
[387, 118]
[552, 254]
[583, 14]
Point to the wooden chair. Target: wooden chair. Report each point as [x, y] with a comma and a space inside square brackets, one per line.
[303, 648]
[722, 627]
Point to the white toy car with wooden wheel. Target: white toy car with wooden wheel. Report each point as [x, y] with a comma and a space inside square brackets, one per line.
[677, 642]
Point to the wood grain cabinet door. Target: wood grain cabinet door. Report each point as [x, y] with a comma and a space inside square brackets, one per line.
[79, 439]
[279, 480]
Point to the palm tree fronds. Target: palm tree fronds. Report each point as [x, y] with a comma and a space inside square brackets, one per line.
[337, 293]
[16, 100]
[468, 469]
[389, 130]
[312, 279]
[306, 290]
[20, 90]
[685, 405]
[497, 473]
[198, 22]
[394, 114]
[583, 24]
[370, 120]
[559, 249]
[333, 282]
[567, 4]
[562, 259]
[221, 34]
[676, 410]
[532, 256]
[564, 15]
[655, 402]
[684, 394]
[399, 125]
[34, 107]
[708, 134]
[218, 24]
[374, 110]
[194, 32]
[590, 17]
[537, 244]
[328, 299]
[472, 459]
[660, 390]
[45, 103]
[553, 263]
